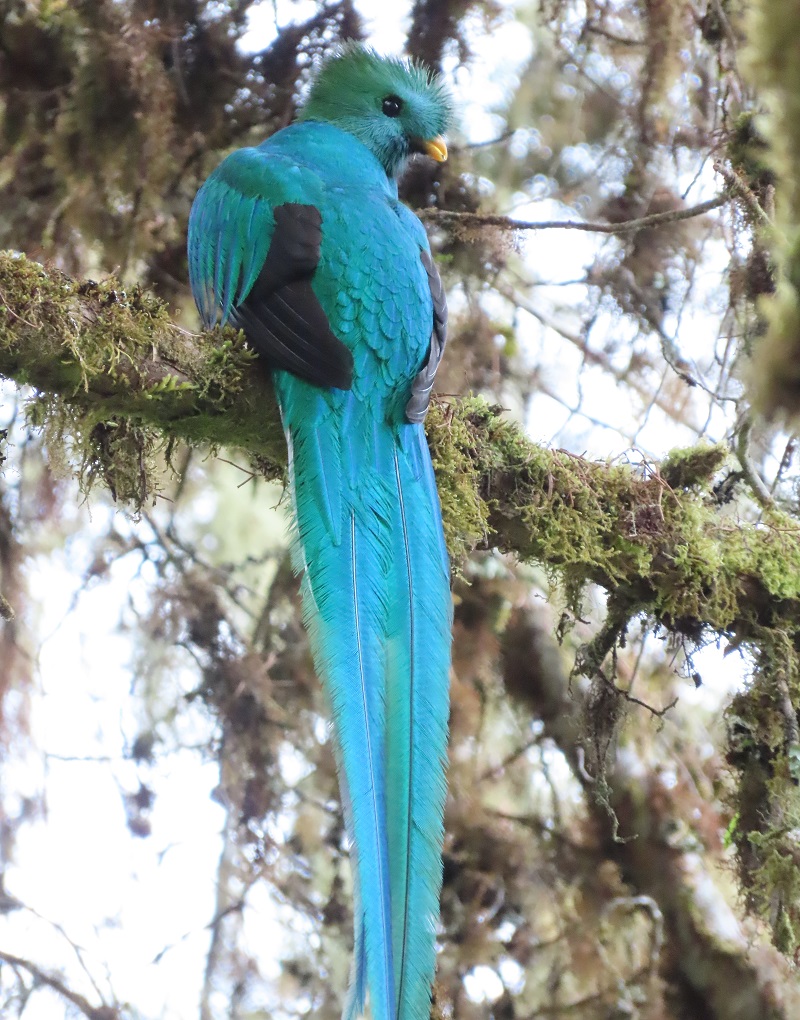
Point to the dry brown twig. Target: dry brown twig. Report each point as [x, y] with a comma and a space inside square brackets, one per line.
[624, 227]
[43, 978]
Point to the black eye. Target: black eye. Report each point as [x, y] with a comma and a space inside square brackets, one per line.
[392, 105]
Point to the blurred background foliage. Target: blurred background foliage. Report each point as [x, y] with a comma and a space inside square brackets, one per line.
[622, 835]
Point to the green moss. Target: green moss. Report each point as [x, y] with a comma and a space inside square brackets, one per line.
[455, 455]
[661, 545]
[101, 355]
[773, 884]
[657, 539]
[748, 152]
[694, 465]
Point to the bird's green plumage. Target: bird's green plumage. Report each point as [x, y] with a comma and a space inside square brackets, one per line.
[369, 541]
[350, 91]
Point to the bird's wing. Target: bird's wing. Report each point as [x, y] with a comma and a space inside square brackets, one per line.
[417, 406]
[254, 245]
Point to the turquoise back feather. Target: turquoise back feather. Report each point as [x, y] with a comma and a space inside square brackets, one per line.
[369, 542]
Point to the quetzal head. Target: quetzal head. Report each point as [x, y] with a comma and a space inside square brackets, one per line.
[395, 107]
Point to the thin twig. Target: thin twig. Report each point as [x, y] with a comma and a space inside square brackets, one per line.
[724, 20]
[79, 1001]
[484, 145]
[612, 37]
[738, 184]
[659, 713]
[624, 227]
[760, 491]
[593, 357]
[497, 770]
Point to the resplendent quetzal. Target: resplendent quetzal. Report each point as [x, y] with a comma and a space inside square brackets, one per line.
[303, 244]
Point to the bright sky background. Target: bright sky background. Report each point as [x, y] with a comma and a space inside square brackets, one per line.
[78, 867]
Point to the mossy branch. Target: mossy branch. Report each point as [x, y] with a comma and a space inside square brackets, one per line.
[113, 370]
[653, 537]
[106, 352]
[658, 540]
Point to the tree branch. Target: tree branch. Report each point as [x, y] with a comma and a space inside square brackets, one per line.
[713, 959]
[469, 219]
[43, 978]
[655, 539]
[106, 352]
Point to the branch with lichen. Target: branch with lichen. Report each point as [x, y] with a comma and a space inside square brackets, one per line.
[653, 537]
[659, 542]
[717, 966]
[103, 352]
[113, 368]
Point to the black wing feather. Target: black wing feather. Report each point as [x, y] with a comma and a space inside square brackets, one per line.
[282, 317]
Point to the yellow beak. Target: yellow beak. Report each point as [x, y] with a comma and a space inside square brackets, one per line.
[436, 148]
